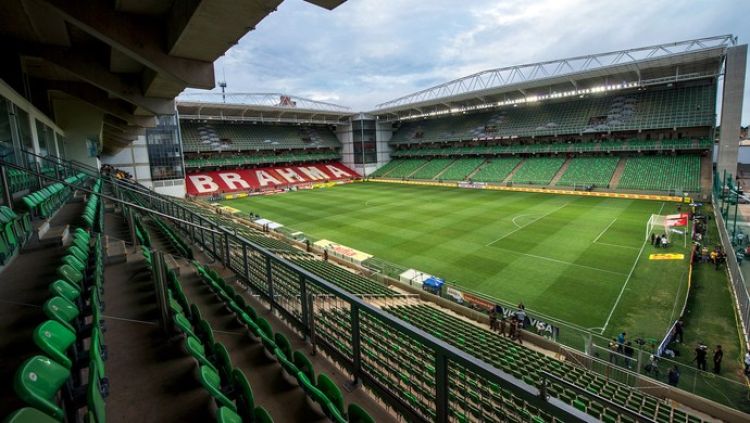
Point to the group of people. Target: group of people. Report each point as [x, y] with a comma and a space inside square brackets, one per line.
[619, 346]
[659, 241]
[509, 326]
[701, 357]
[717, 256]
[110, 170]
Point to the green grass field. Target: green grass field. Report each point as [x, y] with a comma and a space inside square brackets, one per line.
[578, 259]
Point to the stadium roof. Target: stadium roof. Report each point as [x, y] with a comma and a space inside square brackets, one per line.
[260, 107]
[127, 58]
[638, 67]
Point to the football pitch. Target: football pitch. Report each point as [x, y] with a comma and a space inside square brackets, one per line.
[582, 260]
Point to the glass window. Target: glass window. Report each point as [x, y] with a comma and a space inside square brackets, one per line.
[363, 140]
[164, 150]
[6, 134]
[46, 139]
[24, 131]
[61, 145]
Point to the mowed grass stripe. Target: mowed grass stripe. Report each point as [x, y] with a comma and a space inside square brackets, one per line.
[551, 262]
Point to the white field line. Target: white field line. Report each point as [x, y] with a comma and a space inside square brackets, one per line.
[521, 215]
[624, 285]
[530, 223]
[617, 245]
[605, 229]
[561, 261]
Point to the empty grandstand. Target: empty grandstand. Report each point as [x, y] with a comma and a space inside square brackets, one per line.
[127, 296]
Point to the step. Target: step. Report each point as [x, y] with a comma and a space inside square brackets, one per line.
[615, 181]
[474, 172]
[513, 172]
[560, 172]
[116, 251]
[439, 174]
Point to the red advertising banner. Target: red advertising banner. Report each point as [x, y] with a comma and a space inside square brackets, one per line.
[265, 178]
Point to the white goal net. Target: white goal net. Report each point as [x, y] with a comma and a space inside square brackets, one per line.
[659, 225]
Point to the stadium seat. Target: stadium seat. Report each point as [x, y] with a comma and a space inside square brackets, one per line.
[37, 382]
[54, 339]
[211, 381]
[29, 415]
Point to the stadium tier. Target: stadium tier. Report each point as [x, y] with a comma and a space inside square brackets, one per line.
[217, 137]
[537, 170]
[431, 169]
[495, 170]
[596, 171]
[460, 169]
[265, 178]
[387, 168]
[666, 108]
[244, 160]
[406, 168]
[662, 173]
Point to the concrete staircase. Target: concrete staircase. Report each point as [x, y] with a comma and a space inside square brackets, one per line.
[474, 172]
[439, 174]
[615, 181]
[513, 172]
[560, 173]
[706, 177]
[417, 169]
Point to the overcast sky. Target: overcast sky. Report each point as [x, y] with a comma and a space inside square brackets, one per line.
[366, 52]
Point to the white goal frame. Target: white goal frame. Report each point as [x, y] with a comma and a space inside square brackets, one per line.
[660, 221]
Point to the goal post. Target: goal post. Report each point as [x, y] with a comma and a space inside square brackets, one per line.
[663, 225]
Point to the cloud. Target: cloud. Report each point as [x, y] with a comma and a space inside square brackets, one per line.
[369, 51]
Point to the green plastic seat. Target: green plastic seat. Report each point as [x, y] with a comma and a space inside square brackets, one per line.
[266, 334]
[70, 275]
[329, 388]
[29, 415]
[183, 325]
[198, 351]
[319, 397]
[65, 290]
[304, 364]
[357, 414]
[211, 381]
[73, 262]
[226, 415]
[244, 397]
[62, 310]
[282, 342]
[205, 334]
[37, 382]
[54, 339]
[95, 401]
[223, 362]
[261, 415]
[286, 364]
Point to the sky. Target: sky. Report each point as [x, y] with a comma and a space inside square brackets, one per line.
[366, 52]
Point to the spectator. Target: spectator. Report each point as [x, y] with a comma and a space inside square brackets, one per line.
[512, 328]
[673, 377]
[521, 315]
[502, 326]
[493, 320]
[325, 255]
[747, 364]
[664, 241]
[621, 342]
[701, 351]
[613, 348]
[718, 355]
[629, 351]
[678, 329]
[715, 258]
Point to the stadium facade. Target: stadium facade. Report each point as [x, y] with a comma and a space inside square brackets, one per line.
[88, 84]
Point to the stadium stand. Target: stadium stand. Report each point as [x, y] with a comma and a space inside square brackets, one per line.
[217, 137]
[460, 169]
[596, 171]
[538, 170]
[668, 108]
[406, 168]
[431, 169]
[387, 168]
[496, 170]
[244, 160]
[662, 173]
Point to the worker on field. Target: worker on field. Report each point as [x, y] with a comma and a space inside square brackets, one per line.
[715, 258]
[718, 356]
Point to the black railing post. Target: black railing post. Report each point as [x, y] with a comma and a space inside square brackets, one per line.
[441, 387]
[356, 350]
[269, 281]
[7, 195]
[246, 270]
[303, 305]
[227, 257]
[131, 224]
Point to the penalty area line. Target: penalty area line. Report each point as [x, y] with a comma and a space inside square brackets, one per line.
[530, 223]
[624, 285]
[605, 229]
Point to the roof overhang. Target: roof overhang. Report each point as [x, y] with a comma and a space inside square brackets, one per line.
[580, 74]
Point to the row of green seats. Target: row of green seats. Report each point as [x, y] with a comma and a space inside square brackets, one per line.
[74, 315]
[175, 240]
[662, 173]
[538, 170]
[525, 364]
[387, 168]
[351, 282]
[321, 390]
[431, 169]
[460, 169]
[47, 200]
[19, 180]
[261, 159]
[94, 211]
[495, 170]
[596, 171]
[15, 229]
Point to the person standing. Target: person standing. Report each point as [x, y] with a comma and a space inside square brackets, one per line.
[701, 351]
[629, 352]
[747, 364]
[678, 331]
[653, 238]
[718, 355]
[673, 377]
[621, 342]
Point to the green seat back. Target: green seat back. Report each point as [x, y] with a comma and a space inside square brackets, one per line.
[223, 362]
[329, 388]
[205, 334]
[62, 310]
[304, 364]
[78, 253]
[357, 414]
[54, 339]
[261, 415]
[73, 262]
[70, 275]
[37, 382]
[318, 396]
[196, 349]
[65, 290]
[29, 415]
[226, 415]
[282, 342]
[96, 406]
[212, 383]
[183, 324]
[244, 395]
[287, 364]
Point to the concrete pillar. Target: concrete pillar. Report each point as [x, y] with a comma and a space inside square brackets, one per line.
[731, 108]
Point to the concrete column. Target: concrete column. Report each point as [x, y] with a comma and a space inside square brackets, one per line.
[731, 108]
